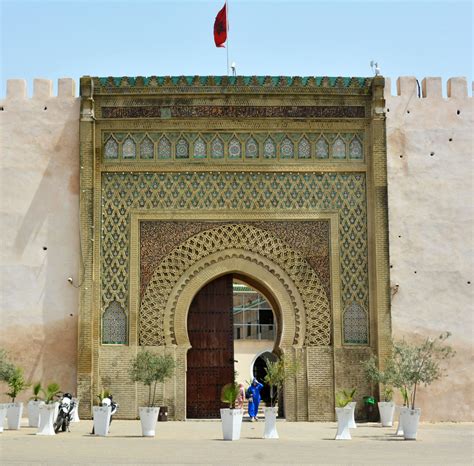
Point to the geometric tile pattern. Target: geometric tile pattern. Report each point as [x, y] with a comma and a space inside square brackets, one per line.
[342, 192]
[355, 324]
[114, 325]
[239, 236]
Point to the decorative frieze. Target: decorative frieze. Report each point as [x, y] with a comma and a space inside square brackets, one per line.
[234, 111]
[232, 146]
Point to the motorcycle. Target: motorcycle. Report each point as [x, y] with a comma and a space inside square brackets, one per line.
[66, 412]
[106, 402]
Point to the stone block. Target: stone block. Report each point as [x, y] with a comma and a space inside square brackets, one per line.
[66, 87]
[431, 88]
[457, 87]
[42, 88]
[16, 89]
[406, 86]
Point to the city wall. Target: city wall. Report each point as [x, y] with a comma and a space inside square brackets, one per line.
[39, 166]
[430, 192]
[430, 166]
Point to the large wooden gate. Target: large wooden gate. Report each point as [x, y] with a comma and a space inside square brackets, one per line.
[211, 357]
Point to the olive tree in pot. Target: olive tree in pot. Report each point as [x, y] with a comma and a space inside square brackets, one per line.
[416, 365]
[16, 383]
[149, 369]
[344, 415]
[231, 417]
[6, 370]
[277, 373]
[48, 411]
[386, 378]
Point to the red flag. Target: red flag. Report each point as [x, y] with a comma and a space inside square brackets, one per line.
[220, 27]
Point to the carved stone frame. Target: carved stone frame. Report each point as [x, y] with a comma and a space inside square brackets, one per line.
[245, 263]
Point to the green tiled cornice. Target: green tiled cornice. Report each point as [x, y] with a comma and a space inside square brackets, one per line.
[238, 81]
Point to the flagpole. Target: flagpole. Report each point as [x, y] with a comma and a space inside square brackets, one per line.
[227, 32]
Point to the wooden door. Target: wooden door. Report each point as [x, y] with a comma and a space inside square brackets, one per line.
[211, 357]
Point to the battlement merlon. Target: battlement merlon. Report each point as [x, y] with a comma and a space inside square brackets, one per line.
[431, 87]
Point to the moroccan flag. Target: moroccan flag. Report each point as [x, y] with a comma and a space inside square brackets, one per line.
[220, 27]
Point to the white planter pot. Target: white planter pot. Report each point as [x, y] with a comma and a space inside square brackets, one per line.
[148, 419]
[410, 419]
[47, 416]
[386, 410]
[75, 415]
[344, 416]
[3, 414]
[101, 420]
[33, 412]
[352, 423]
[271, 414]
[399, 432]
[231, 423]
[14, 412]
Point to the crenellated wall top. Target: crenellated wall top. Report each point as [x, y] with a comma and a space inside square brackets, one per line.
[42, 89]
[429, 88]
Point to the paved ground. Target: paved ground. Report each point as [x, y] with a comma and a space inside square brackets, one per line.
[200, 442]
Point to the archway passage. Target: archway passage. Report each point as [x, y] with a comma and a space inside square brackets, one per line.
[259, 372]
[210, 363]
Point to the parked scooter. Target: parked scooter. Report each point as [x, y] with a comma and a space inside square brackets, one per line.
[108, 401]
[67, 407]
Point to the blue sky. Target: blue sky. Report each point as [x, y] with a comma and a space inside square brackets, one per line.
[149, 37]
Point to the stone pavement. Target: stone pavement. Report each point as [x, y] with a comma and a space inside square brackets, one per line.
[200, 442]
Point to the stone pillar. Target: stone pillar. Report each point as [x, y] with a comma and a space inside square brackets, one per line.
[86, 343]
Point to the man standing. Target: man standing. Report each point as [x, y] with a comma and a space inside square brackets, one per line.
[253, 395]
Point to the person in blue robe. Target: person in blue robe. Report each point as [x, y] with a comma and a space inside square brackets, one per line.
[253, 395]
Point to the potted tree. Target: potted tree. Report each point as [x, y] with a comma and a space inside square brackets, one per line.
[48, 410]
[17, 383]
[406, 397]
[343, 415]
[231, 417]
[33, 406]
[6, 369]
[149, 369]
[348, 398]
[386, 378]
[416, 365]
[102, 414]
[277, 373]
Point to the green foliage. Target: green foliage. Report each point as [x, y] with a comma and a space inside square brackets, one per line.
[387, 393]
[384, 377]
[37, 389]
[16, 382]
[104, 393]
[344, 397]
[276, 374]
[229, 394]
[6, 367]
[52, 391]
[419, 364]
[149, 369]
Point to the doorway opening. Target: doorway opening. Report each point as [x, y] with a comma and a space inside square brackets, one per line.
[232, 329]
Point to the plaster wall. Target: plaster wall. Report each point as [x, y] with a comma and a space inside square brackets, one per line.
[430, 197]
[39, 186]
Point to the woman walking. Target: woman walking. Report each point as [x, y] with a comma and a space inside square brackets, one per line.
[253, 395]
